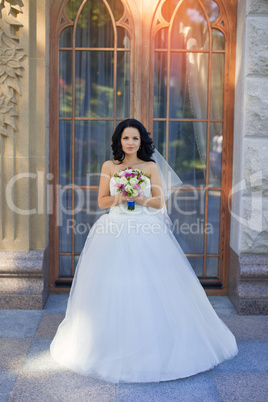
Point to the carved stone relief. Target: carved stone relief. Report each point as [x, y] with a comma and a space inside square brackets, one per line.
[11, 69]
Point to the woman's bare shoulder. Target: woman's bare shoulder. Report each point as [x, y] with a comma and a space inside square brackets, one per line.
[107, 164]
[148, 167]
[152, 166]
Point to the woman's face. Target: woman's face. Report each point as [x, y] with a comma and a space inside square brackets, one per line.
[130, 140]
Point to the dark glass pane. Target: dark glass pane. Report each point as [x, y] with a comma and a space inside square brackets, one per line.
[212, 267]
[65, 83]
[65, 220]
[66, 37]
[218, 40]
[122, 90]
[65, 153]
[217, 86]
[213, 224]
[65, 266]
[187, 151]
[161, 39]
[159, 136]
[94, 27]
[212, 10]
[123, 40]
[92, 148]
[94, 84]
[197, 264]
[186, 209]
[117, 8]
[188, 85]
[215, 154]
[85, 218]
[160, 85]
[189, 29]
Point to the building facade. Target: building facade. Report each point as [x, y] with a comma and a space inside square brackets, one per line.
[194, 72]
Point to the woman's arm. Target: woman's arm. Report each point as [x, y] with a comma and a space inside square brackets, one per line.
[105, 200]
[157, 199]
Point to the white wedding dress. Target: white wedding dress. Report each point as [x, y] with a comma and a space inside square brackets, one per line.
[136, 310]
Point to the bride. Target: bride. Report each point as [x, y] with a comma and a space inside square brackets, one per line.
[136, 310]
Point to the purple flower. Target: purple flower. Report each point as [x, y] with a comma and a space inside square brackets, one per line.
[137, 186]
[130, 174]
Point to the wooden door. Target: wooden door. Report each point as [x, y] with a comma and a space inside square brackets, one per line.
[170, 64]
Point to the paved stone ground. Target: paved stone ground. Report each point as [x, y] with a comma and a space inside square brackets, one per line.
[28, 373]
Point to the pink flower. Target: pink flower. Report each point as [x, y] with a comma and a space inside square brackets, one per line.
[119, 185]
[137, 186]
[124, 192]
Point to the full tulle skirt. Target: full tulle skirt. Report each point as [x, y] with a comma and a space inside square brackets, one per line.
[136, 310]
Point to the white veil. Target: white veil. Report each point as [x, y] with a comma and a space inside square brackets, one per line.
[169, 179]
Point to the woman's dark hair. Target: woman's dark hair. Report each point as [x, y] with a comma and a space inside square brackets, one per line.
[146, 148]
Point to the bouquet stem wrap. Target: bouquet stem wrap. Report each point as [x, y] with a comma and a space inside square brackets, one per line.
[130, 205]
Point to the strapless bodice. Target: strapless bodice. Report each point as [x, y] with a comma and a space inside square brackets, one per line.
[122, 208]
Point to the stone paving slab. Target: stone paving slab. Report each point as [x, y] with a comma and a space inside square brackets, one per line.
[27, 364]
[222, 305]
[56, 303]
[200, 387]
[250, 327]
[242, 387]
[65, 386]
[4, 396]
[48, 325]
[39, 357]
[19, 323]
[13, 352]
[7, 381]
[251, 358]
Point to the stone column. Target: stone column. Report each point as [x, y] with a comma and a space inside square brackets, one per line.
[24, 155]
[248, 274]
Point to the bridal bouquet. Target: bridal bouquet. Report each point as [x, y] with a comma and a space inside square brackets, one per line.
[130, 182]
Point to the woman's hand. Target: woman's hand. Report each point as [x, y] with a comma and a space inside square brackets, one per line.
[122, 198]
[139, 199]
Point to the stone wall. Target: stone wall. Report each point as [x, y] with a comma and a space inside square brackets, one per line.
[24, 156]
[249, 222]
